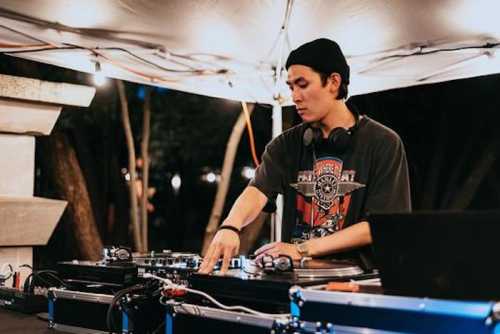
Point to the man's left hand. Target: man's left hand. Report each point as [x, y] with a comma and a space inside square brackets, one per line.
[276, 249]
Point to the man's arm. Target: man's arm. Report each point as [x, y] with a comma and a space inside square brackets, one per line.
[226, 242]
[352, 237]
[246, 208]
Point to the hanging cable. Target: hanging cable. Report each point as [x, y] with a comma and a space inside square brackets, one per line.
[168, 284]
[188, 57]
[28, 36]
[17, 46]
[250, 134]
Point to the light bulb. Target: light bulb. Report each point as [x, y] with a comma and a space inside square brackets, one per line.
[99, 78]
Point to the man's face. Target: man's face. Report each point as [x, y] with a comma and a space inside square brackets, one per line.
[312, 99]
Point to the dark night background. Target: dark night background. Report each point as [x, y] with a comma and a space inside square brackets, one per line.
[449, 130]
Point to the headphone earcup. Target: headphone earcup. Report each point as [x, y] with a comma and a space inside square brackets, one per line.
[339, 140]
[312, 136]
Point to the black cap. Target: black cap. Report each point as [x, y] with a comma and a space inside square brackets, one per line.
[323, 55]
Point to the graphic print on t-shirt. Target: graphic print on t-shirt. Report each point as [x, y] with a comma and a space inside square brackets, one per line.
[330, 188]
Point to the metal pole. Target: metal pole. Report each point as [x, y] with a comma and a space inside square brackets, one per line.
[276, 223]
[277, 130]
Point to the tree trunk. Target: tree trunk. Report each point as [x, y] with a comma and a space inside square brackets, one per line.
[72, 186]
[227, 168]
[131, 167]
[146, 121]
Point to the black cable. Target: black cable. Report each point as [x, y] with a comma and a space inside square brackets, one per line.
[34, 280]
[186, 57]
[135, 56]
[23, 34]
[72, 46]
[57, 26]
[39, 50]
[421, 52]
[110, 323]
[80, 31]
[77, 47]
[10, 274]
[55, 277]
[192, 71]
[37, 276]
[26, 266]
[26, 285]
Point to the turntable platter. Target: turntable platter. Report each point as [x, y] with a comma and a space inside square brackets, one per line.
[310, 268]
[326, 268]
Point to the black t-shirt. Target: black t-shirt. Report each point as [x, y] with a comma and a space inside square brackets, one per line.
[370, 176]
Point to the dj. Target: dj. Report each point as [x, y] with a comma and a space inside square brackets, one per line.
[332, 169]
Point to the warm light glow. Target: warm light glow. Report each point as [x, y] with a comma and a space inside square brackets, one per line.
[211, 177]
[99, 77]
[248, 172]
[176, 182]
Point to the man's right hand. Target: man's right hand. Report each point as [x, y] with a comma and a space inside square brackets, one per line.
[225, 244]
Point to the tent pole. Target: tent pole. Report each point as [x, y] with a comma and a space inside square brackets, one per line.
[278, 215]
[276, 222]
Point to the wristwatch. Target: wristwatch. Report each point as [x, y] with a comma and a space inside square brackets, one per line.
[303, 249]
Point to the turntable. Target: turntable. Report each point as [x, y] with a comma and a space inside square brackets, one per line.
[264, 286]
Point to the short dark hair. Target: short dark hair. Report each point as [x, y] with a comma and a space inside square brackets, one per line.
[343, 89]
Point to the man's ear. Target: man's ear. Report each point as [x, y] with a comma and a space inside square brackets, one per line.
[335, 80]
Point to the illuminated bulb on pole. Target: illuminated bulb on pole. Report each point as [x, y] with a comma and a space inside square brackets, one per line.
[99, 78]
[176, 182]
[248, 172]
[211, 177]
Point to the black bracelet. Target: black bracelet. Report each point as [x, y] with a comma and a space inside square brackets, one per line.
[229, 227]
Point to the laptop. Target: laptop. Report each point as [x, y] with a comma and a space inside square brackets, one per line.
[451, 255]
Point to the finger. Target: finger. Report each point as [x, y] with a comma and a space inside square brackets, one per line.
[271, 250]
[208, 254]
[265, 248]
[258, 258]
[228, 254]
[212, 260]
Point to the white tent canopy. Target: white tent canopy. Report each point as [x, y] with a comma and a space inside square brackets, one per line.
[231, 48]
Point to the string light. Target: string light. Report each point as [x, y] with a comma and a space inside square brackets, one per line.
[248, 172]
[176, 182]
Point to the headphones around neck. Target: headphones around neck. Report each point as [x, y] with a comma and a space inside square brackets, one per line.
[338, 140]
